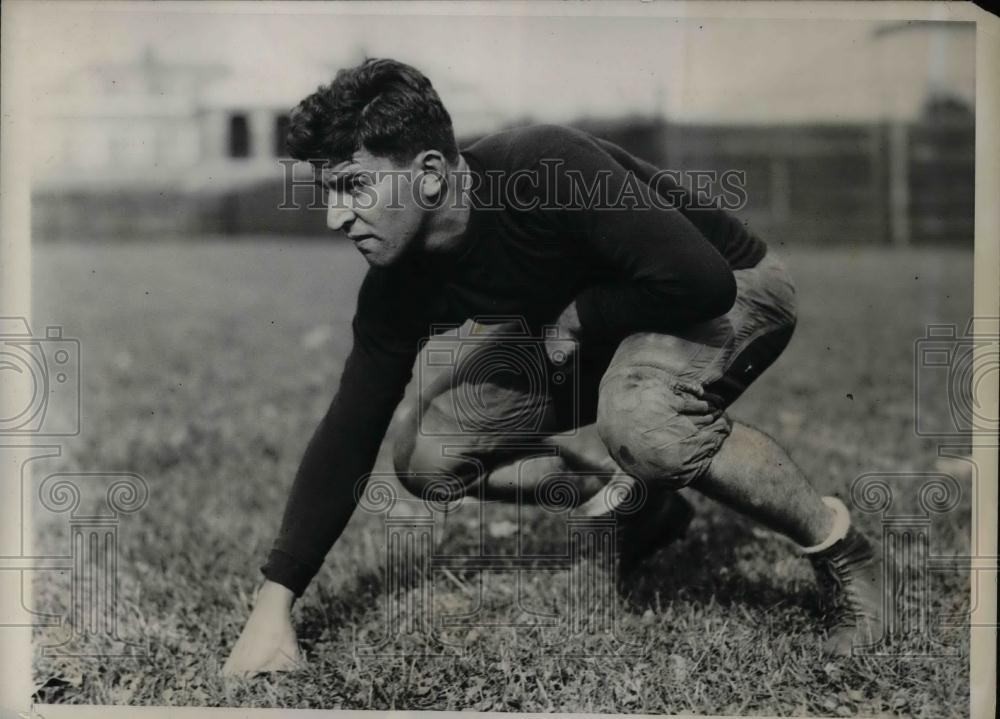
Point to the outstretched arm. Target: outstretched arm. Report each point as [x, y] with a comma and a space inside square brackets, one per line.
[338, 459]
[331, 475]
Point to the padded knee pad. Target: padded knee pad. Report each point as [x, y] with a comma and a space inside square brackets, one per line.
[640, 423]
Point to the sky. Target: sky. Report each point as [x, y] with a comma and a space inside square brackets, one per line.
[545, 68]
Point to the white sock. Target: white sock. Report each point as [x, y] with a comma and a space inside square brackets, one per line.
[608, 498]
[841, 523]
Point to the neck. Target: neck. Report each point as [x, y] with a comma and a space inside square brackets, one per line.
[446, 226]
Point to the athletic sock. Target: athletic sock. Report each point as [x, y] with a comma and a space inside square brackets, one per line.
[841, 523]
[608, 498]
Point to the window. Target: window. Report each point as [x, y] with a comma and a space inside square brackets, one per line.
[239, 136]
[280, 135]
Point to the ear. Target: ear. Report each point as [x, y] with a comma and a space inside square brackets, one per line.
[432, 168]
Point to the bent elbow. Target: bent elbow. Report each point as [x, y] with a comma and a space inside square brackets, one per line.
[712, 295]
[723, 295]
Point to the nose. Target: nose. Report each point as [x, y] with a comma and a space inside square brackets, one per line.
[339, 217]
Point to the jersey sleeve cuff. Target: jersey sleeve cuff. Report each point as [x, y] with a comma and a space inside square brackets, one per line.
[284, 569]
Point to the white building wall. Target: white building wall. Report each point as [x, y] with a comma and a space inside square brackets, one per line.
[261, 133]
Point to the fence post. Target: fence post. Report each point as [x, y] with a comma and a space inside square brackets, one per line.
[781, 190]
[878, 156]
[899, 184]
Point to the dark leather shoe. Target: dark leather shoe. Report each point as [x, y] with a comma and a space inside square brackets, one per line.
[851, 582]
[663, 520]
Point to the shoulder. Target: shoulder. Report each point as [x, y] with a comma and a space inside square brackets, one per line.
[522, 147]
[548, 135]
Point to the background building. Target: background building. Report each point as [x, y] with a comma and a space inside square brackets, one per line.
[865, 136]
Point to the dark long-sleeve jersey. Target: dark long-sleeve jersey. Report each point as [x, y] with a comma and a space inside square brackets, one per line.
[556, 216]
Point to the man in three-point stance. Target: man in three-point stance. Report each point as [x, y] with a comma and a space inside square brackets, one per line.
[671, 305]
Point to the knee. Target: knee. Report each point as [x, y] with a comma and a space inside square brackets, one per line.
[425, 466]
[412, 458]
[650, 439]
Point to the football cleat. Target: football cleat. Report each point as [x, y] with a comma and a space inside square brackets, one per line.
[663, 520]
[851, 580]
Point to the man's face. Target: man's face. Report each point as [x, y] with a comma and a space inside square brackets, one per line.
[370, 199]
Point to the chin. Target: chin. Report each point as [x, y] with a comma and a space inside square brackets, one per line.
[377, 260]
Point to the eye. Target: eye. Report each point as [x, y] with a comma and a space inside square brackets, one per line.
[358, 183]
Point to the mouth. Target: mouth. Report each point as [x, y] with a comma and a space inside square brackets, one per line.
[365, 243]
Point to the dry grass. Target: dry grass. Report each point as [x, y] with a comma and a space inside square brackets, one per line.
[198, 376]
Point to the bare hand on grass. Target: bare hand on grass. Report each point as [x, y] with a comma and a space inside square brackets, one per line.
[268, 642]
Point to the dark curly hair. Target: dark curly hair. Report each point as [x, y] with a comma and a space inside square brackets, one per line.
[382, 105]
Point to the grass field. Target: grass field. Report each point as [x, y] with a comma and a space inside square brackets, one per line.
[205, 369]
